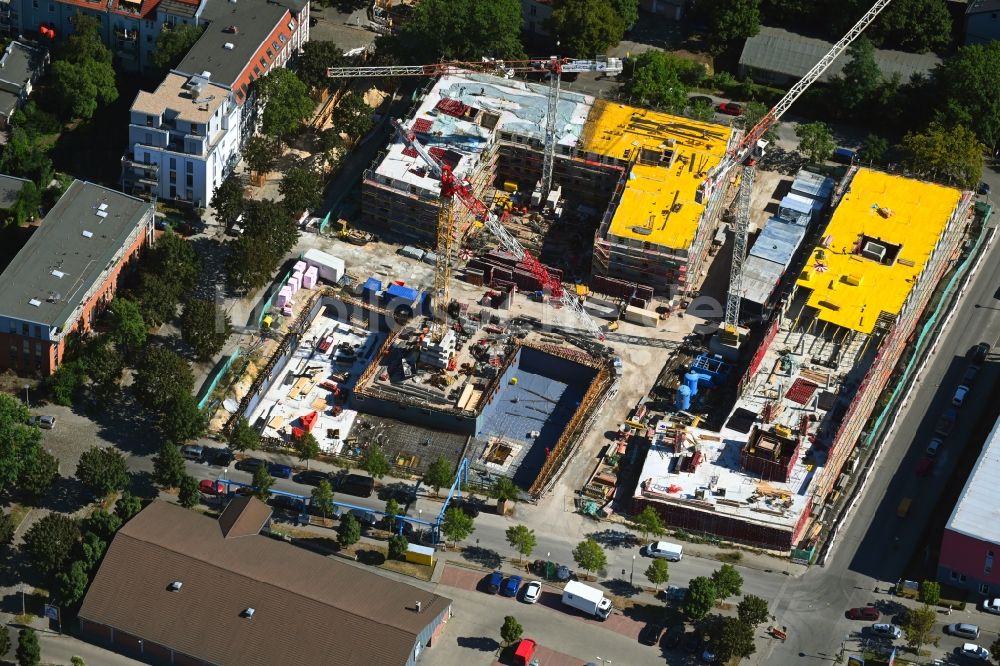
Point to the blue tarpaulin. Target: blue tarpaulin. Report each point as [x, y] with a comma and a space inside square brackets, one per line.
[371, 287]
[397, 291]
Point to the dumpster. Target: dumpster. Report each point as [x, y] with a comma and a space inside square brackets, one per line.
[524, 652]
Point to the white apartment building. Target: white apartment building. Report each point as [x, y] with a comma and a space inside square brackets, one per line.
[184, 137]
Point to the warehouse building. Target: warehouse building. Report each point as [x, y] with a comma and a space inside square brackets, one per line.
[67, 273]
[178, 587]
[971, 537]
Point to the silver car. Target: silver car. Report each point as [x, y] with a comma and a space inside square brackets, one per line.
[890, 630]
[991, 606]
[46, 422]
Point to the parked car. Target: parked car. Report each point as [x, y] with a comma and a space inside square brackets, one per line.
[991, 606]
[935, 444]
[979, 353]
[219, 457]
[885, 629]
[946, 423]
[468, 505]
[286, 503]
[971, 373]
[532, 591]
[924, 466]
[973, 651]
[650, 634]
[493, 582]
[959, 398]
[356, 484]
[511, 586]
[193, 452]
[984, 188]
[210, 487]
[730, 109]
[863, 613]
[47, 422]
[311, 477]
[279, 471]
[366, 518]
[963, 629]
[250, 464]
[700, 99]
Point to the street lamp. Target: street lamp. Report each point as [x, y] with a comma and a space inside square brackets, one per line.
[140, 646]
[632, 575]
[26, 401]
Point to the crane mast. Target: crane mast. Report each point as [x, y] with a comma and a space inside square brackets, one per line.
[749, 150]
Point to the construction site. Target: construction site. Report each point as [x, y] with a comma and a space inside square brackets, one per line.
[772, 472]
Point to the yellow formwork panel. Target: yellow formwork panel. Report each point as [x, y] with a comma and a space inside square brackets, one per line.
[658, 205]
[904, 215]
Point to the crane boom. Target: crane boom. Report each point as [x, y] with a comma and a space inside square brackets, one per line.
[743, 152]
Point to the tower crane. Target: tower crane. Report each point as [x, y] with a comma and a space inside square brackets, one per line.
[453, 187]
[747, 152]
[554, 65]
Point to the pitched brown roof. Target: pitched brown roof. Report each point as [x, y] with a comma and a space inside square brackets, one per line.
[308, 609]
[243, 516]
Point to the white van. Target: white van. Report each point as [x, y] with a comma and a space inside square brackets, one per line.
[669, 551]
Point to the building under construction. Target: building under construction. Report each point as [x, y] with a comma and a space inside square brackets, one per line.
[771, 475]
[627, 176]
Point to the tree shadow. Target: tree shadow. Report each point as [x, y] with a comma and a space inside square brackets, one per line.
[612, 538]
[120, 420]
[621, 588]
[66, 495]
[480, 643]
[373, 558]
[482, 556]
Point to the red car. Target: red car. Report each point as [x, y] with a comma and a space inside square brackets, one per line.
[924, 466]
[730, 109]
[863, 613]
[210, 487]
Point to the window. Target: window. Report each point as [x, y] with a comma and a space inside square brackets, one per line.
[173, 163]
[283, 38]
[988, 565]
[34, 3]
[149, 39]
[38, 334]
[149, 138]
[24, 330]
[189, 167]
[274, 45]
[270, 54]
[173, 176]
[534, 10]
[190, 181]
[256, 70]
[263, 63]
[984, 588]
[239, 95]
[52, 8]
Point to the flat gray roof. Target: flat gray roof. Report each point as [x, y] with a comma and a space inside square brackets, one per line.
[784, 52]
[253, 19]
[977, 512]
[10, 187]
[49, 276]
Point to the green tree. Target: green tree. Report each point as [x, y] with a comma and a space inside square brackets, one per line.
[84, 77]
[262, 482]
[5, 642]
[374, 462]
[249, 263]
[127, 506]
[392, 509]
[301, 189]
[503, 489]
[815, 140]
[586, 28]
[182, 420]
[92, 548]
[438, 475]
[228, 200]
[160, 377]
[50, 542]
[18, 441]
[102, 524]
[511, 631]
[175, 261]
[103, 470]
[72, 583]
[730, 638]
[522, 539]
[307, 446]
[205, 327]
[7, 529]
[25, 208]
[994, 650]
[316, 56]
[189, 494]
[104, 365]
[462, 30]
[947, 153]
[918, 628]
[658, 572]
[628, 10]
[261, 154]
[589, 556]
[28, 651]
[398, 545]
[873, 149]
[908, 25]
[647, 522]
[930, 592]
[322, 495]
[457, 525]
[966, 86]
[752, 610]
[125, 324]
[65, 382]
[860, 80]
[285, 100]
[702, 111]
[349, 531]
[352, 116]
[168, 466]
[173, 44]
[25, 157]
[655, 80]
[77, 661]
[157, 298]
[728, 581]
[242, 437]
[269, 221]
[38, 474]
[731, 21]
[700, 598]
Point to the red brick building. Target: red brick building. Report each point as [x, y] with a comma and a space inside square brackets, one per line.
[67, 273]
